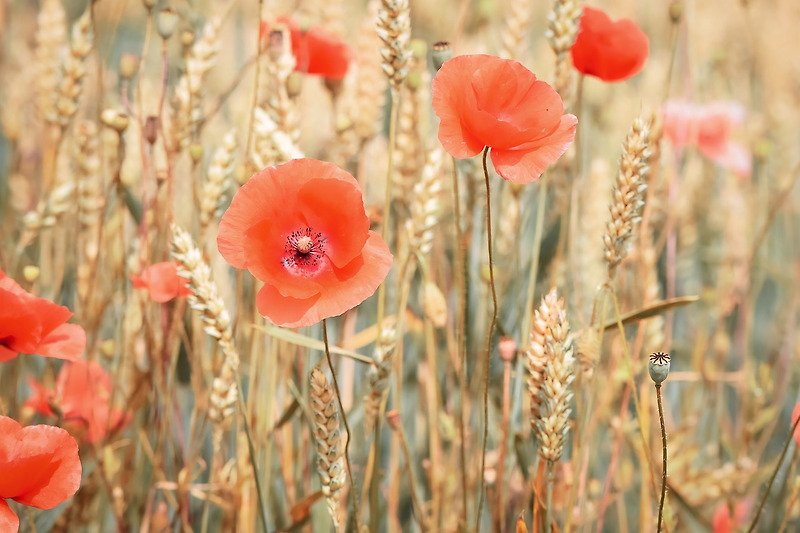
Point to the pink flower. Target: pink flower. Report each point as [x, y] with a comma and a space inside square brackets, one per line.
[709, 128]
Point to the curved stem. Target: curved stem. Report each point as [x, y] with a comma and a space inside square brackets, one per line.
[488, 358]
[262, 509]
[664, 455]
[774, 475]
[353, 492]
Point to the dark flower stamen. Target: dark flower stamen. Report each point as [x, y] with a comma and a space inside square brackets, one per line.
[304, 249]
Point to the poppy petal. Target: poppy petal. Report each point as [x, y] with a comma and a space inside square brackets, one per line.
[7, 354]
[263, 197]
[525, 166]
[448, 103]
[336, 208]
[67, 341]
[40, 464]
[39, 401]
[735, 157]
[611, 51]
[357, 281]
[8, 520]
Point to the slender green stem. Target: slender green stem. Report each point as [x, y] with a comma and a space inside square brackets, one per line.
[387, 199]
[488, 357]
[534, 269]
[262, 509]
[664, 457]
[353, 491]
[774, 475]
[460, 275]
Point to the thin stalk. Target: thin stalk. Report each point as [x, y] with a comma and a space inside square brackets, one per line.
[387, 199]
[774, 475]
[501, 461]
[632, 383]
[534, 270]
[460, 274]
[353, 492]
[262, 508]
[488, 357]
[548, 515]
[664, 457]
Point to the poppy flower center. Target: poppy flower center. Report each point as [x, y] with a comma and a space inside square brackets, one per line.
[304, 251]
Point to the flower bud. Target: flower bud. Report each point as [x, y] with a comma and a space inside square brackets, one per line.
[659, 367]
[31, 273]
[150, 130]
[166, 23]
[128, 65]
[507, 348]
[441, 52]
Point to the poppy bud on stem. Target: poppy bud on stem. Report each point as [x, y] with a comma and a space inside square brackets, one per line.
[659, 369]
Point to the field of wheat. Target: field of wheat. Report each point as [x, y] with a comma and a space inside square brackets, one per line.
[399, 265]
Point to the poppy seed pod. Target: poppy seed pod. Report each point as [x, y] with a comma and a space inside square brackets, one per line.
[659, 367]
[441, 52]
[166, 23]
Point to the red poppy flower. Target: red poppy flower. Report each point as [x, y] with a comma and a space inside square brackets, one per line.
[723, 522]
[484, 101]
[316, 50]
[162, 281]
[611, 51]
[82, 396]
[302, 230]
[40, 467]
[29, 324]
[709, 127]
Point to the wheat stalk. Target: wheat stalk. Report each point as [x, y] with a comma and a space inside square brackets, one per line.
[73, 71]
[394, 29]
[207, 302]
[187, 111]
[628, 195]
[562, 28]
[220, 173]
[517, 24]
[426, 204]
[51, 38]
[328, 442]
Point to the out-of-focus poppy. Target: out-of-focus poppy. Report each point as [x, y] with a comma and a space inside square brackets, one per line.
[83, 398]
[611, 51]
[40, 467]
[29, 324]
[316, 49]
[709, 128]
[723, 522]
[484, 101]
[301, 228]
[162, 282]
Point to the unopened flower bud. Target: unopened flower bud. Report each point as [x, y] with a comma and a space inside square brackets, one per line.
[128, 65]
[441, 52]
[187, 38]
[149, 4]
[507, 348]
[150, 130]
[659, 367]
[676, 11]
[393, 419]
[196, 152]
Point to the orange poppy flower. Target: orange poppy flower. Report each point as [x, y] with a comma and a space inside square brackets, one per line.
[162, 282]
[82, 397]
[29, 324]
[316, 50]
[611, 51]
[301, 228]
[40, 467]
[709, 128]
[484, 101]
